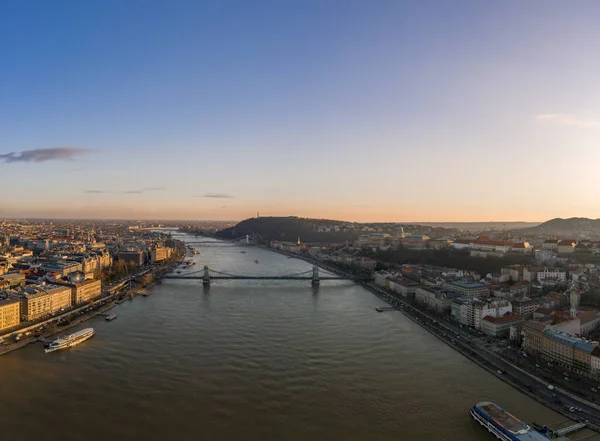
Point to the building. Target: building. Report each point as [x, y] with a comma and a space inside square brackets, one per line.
[499, 326]
[39, 301]
[83, 291]
[566, 246]
[470, 311]
[525, 307]
[415, 241]
[568, 350]
[13, 280]
[470, 289]
[550, 245]
[404, 287]
[532, 336]
[10, 313]
[461, 244]
[595, 363]
[435, 298]
[551, 275]
[132, 256]
[374, 240]
[159, 254]
[439, 243]
[589, 321]
[62, 268]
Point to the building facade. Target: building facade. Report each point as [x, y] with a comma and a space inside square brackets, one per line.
[10, 313]
[499, 326]
[568, 350]
[39, 301]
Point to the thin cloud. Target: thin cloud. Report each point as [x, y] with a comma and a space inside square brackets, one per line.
[113, 192]
[43, 155]
[154, 189]
[217, 196]
[566, 120]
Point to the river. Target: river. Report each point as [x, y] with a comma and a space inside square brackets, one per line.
[251, 360]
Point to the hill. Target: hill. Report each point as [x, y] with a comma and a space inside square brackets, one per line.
[290, 229]
[572, 228]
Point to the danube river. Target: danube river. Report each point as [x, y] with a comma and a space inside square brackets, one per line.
[246, 360]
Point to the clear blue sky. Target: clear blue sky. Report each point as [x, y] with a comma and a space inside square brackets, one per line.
[364, 110]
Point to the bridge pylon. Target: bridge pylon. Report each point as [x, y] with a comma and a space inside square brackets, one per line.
[315, 277]
[206, 277]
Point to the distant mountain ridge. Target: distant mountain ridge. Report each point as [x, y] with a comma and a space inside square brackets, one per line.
[572, 228]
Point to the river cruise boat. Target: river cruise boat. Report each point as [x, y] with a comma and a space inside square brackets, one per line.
[503, 425]
[70, 340]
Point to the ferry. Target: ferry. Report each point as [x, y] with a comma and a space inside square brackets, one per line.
[502, 424]
[111, 317]
[70, 340]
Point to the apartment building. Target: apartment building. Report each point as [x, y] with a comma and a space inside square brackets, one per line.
[10, 313]
[435, 298]
[568, 350]
[525, 307]
[38, 301]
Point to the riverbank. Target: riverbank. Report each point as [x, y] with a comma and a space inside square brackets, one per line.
[99, 306]
[501, 368]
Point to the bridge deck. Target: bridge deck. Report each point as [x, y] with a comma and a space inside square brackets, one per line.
[259, 278]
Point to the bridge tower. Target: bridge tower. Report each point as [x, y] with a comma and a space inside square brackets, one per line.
[315, 277]
[206, 277]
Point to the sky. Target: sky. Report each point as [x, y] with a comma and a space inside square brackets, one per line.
[368, 110]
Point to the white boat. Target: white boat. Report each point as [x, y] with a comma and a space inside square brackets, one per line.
[70, 340]
[111, 317]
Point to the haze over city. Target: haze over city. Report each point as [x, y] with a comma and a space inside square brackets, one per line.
[364, 111]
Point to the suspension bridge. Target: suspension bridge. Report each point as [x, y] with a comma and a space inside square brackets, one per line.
[244, 240]
[206, 275]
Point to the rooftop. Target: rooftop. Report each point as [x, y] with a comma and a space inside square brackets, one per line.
[468, 285]
[571, 340]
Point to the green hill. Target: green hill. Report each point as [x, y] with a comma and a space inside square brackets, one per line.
[290, 229]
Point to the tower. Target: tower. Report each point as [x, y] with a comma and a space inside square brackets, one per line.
[574, 300]
[299, 243]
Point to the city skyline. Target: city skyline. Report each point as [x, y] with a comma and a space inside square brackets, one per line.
[360, 111]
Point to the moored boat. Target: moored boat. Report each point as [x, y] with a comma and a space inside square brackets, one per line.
[111, 317]
[70, 340]
[502, 424]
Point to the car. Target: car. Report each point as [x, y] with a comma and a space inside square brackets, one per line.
[537, 365]
[593, 390]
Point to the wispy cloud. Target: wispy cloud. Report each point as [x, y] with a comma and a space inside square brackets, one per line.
[216, 196]
[566, 120]
[154, 189]
[114, 192]
[43, 155]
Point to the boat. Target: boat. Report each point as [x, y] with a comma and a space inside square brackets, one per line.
[70, 340]
[196, 251]
[111, 317]
[256, 261]
[502, 424]
[243, 252]
[146, 293]
[191, 262]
